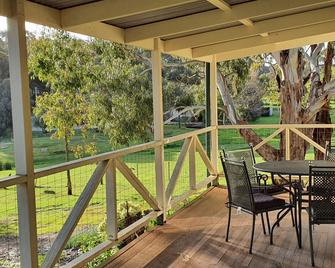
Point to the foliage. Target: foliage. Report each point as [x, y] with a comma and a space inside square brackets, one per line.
[237, 73]
[183, 83]
[64, 64]
[121, 96]
[6, 124]
[249, 103]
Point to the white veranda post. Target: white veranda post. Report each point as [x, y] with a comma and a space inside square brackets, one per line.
[21, 112]
[214, 114]
[158, 123]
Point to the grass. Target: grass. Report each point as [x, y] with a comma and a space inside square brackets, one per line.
[53, 204]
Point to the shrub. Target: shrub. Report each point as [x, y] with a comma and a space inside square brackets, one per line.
[1, 166]
[7, 166]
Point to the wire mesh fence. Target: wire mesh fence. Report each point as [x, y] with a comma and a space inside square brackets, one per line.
[54, 204]
[9, 242]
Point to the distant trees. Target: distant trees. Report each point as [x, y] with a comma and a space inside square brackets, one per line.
[5, 99]
[63, 64]
[121, 94]
[5, 108]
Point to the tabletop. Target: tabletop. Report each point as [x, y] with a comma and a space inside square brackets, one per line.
[291, 167]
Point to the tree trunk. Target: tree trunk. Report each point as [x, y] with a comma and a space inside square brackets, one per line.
[68, 173]
[323, 117]
[293, 94]
[250, 136]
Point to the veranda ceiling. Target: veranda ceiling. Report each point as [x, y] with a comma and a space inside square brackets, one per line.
[192, 28]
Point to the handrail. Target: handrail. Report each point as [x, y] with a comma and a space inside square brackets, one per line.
[12, 180]
[277, 126]
[188, 134]
[94, 159]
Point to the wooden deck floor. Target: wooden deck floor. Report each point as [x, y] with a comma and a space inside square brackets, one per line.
[195, 237]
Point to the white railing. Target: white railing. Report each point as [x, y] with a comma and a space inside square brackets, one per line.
[111, 165]
[287, 129]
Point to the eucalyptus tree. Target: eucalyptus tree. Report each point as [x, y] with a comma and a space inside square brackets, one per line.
[305, 89]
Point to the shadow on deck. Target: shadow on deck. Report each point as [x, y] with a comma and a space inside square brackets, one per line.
[195, 237]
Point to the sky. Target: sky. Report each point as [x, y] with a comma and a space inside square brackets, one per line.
[29, 26]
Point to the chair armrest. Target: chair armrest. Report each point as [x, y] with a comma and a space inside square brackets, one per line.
[262, 177]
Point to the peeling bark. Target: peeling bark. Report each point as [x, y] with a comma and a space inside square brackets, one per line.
[250, 136]
[292, 94]
[323, 117]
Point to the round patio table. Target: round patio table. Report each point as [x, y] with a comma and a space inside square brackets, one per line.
[292, 168]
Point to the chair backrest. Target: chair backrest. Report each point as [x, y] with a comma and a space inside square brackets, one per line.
[322, 194]
[238, 184]
[246, 155]
[330, 152]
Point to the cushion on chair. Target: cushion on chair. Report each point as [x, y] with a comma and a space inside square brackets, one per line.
[266, 202]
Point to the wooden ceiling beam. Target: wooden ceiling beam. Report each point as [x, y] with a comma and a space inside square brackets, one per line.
[224, 6]
[254, 45]
[204, 20]
[262, 28]
[113, 9]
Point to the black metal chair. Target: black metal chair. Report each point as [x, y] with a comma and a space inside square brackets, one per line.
[258, 181]
[241, 196]
[321, 199]
[330, 152]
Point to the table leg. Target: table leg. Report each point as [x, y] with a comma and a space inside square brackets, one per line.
[300, 224]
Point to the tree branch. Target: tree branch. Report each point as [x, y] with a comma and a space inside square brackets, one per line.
[316, 105]
[267, 151]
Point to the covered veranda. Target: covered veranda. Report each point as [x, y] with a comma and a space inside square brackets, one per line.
[209, 31]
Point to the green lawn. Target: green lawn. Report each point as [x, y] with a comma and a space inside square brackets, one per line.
[53, 204]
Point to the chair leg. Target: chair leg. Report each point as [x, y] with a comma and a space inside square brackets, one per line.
[268, 221]
[293, 223]
[311, 241]
[296, 226]
[278, 214]
[276, 224]
[252, 232]
[228, 225]
[264, 231]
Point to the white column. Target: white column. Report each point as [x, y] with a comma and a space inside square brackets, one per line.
[158, 122]
[214, 113]
[19, 83]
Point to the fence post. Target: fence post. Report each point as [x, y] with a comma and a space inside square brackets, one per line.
[287, 144]
[111, 203]
[21, 113]
[192, 165]
[158, 125]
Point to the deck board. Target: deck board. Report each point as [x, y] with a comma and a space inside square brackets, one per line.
[195, 237]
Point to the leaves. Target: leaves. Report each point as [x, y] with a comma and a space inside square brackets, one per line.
[64, 64]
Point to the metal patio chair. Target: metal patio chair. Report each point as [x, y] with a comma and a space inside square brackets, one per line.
[330, 152]
[258, 181]
[321, 199]
[241, 196]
